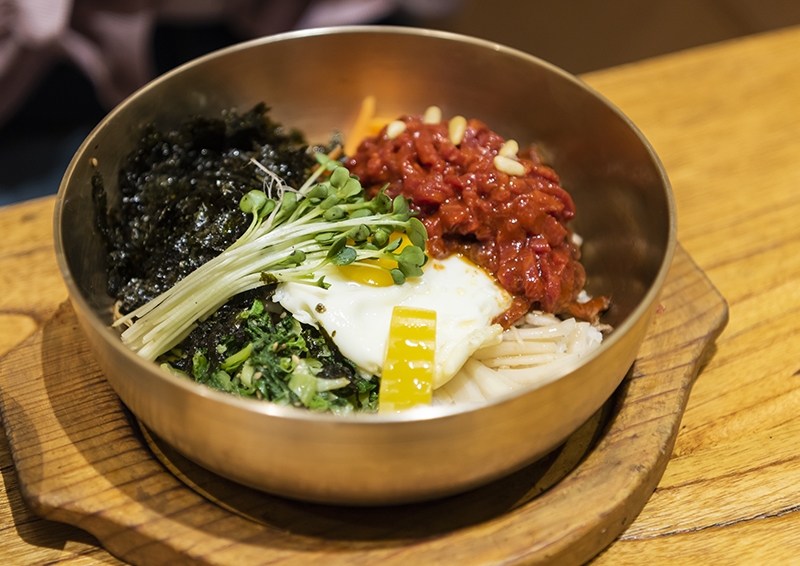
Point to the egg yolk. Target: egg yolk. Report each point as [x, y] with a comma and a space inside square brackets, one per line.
[375, 276]
[408, 370]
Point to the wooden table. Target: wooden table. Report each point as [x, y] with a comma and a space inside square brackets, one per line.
[725, 120]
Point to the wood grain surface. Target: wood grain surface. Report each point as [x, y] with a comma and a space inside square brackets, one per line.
[80, 460]
[725, 121]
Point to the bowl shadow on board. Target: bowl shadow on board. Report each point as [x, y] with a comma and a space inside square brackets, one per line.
[114, 438]
[383, 524]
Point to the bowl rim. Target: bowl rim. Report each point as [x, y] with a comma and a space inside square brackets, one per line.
[358, 419]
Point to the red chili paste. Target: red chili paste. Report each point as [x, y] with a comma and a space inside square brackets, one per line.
[512, 226]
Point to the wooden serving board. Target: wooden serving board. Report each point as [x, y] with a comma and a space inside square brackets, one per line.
[82, 459]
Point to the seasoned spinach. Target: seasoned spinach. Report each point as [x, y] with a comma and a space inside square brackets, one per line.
[249, 349]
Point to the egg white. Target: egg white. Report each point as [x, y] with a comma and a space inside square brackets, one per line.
[357, 315]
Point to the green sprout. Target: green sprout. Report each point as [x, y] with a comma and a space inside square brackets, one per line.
[292, 235]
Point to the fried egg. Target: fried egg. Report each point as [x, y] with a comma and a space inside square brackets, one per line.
[357, 314]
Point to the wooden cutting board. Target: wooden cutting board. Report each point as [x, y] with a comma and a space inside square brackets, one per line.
[82, 459]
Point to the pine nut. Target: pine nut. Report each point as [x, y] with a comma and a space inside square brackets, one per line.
[433, 115]
[457, 128]
[509, 149]
[395, 128]
[509, 166]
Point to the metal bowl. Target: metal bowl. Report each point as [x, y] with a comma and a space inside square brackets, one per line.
[314, 80]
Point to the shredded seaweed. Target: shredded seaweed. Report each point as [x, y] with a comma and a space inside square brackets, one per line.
[179, 197]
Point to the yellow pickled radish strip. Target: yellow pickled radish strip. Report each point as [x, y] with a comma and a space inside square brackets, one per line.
[361, 126]
[408, 370]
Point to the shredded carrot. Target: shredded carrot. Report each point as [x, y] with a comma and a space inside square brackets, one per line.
[335, 152]
[361, 126]
[376, 125]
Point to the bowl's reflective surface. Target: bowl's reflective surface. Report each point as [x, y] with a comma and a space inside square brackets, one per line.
[315, 81]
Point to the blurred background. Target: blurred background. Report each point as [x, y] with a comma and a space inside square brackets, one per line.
[65, 63]
[586, 35]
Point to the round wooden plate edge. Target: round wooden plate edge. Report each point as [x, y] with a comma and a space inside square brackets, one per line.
[581, 541]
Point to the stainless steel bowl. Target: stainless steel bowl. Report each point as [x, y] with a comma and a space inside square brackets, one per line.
[314, 80]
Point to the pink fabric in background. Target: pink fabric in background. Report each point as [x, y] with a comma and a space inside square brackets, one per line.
[110, 40]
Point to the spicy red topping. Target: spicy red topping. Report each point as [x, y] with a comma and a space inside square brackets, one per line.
[508, 219]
